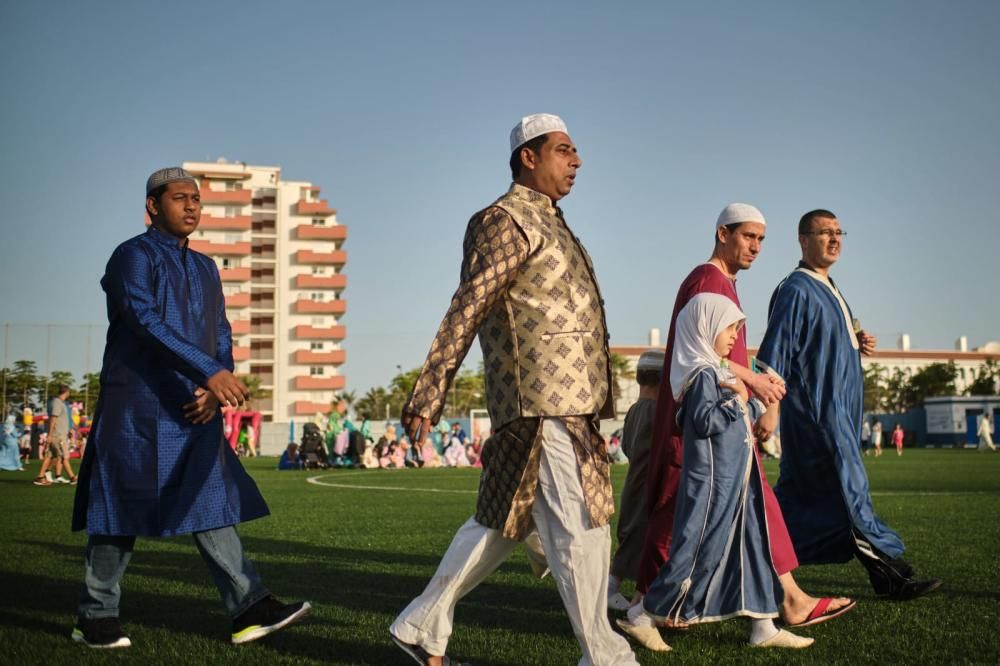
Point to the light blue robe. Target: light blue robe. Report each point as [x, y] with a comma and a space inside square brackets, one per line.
[720, 561]
[10, 453]
[823, 485]
[147, 470]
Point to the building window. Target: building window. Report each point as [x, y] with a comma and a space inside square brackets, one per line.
[232, 211]
[319, 222]
[316, 370]
[232, 238]
[227, 262]
[316, 346]
[317, 296]
[319, 270]
[318, 321]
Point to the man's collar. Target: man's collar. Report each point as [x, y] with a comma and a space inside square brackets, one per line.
[533, 197]
[165, 238]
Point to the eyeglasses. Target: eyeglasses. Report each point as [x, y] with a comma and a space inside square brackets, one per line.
[826, 233]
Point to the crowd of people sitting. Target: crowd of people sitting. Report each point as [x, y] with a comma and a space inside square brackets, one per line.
[343, 444]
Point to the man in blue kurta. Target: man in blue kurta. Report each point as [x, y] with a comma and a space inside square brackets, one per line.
[156, 463]
[812, 341]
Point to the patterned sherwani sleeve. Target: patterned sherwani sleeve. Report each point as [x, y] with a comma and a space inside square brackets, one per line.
[493, 251]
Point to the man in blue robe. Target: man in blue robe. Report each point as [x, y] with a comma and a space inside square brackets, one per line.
[156, 463]
[814, 344]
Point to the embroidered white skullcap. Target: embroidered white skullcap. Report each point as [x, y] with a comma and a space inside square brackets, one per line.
[650, 360]
[739, 212]
[168, 175]
[535, 125]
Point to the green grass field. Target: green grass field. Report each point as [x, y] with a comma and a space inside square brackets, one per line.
[363, 543]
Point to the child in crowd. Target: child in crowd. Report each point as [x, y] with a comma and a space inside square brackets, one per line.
[720, 563]
[897, 439]
[637, 435]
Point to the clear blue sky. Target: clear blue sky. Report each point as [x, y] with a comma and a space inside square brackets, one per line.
[885, 112]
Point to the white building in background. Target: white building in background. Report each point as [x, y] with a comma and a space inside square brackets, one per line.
[278, 246]
[903, 358]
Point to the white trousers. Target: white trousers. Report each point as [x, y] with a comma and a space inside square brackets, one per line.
[577, 555]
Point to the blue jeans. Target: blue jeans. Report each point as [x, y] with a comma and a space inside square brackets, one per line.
[108, 556]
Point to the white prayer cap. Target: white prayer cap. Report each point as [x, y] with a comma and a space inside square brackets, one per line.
[650, 360]
[736, 213]
[534, 125]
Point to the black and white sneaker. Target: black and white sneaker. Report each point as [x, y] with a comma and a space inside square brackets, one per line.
[266, 617]
[102, 632]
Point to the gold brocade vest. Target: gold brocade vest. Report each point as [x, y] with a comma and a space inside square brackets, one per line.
[545, 343]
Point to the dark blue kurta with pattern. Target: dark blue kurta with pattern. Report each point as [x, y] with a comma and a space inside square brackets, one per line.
[823, 485]
[147, 470]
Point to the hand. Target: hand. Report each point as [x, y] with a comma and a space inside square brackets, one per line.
[867, 342]
[768, 388]
[203, 409]
[227, 388]
[738, 387]
[415, 426]
[766, 424]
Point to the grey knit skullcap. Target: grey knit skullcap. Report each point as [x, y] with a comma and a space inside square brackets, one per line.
[168, 175]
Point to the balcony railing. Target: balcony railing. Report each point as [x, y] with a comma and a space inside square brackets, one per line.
[309, 408]
[228, 197]
[310, 383]
[338, 281]
[238, 223]
[336, 258]
[321, 208]
[313, 232]
[240, 326]
[224, 249]
[241, 353]
[240, 300]
[306, 332]
[309, 357]
[305, 306]
[234, 274]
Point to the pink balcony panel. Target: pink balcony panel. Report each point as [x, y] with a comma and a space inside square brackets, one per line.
[223, 249]
[308, 383]
[240, 326]
[313, 232]
[306, 332]
[336, 258]
[305, 306]
[241, 300]
[241, 353]
[320, 281]
[309, 357]
[234, 274]
[238, 223]
[320, 208]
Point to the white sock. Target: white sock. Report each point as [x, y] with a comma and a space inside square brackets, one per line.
[638, 617]
[761, 630]
[613, 584]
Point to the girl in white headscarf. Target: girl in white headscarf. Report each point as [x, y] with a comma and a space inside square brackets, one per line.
[720, 562]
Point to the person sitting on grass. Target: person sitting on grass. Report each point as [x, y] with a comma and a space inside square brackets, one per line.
[157, 464]
[291, 459]
[720, 561]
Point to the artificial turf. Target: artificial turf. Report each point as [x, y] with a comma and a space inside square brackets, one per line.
[360, 555]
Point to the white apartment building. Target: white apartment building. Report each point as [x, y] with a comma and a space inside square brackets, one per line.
[278, 246]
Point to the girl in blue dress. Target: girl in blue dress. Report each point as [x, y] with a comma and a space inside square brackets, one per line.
[720, 563]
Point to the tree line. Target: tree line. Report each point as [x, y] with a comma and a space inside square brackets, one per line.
[897, 392]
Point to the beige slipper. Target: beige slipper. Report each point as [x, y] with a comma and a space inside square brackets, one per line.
[648, 637]
[785, 639]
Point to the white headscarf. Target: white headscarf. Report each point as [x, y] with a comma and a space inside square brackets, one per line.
[698, 325]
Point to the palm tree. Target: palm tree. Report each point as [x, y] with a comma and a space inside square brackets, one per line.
[621, 368]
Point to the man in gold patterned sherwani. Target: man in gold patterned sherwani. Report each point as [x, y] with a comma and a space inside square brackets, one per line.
[528, 289]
